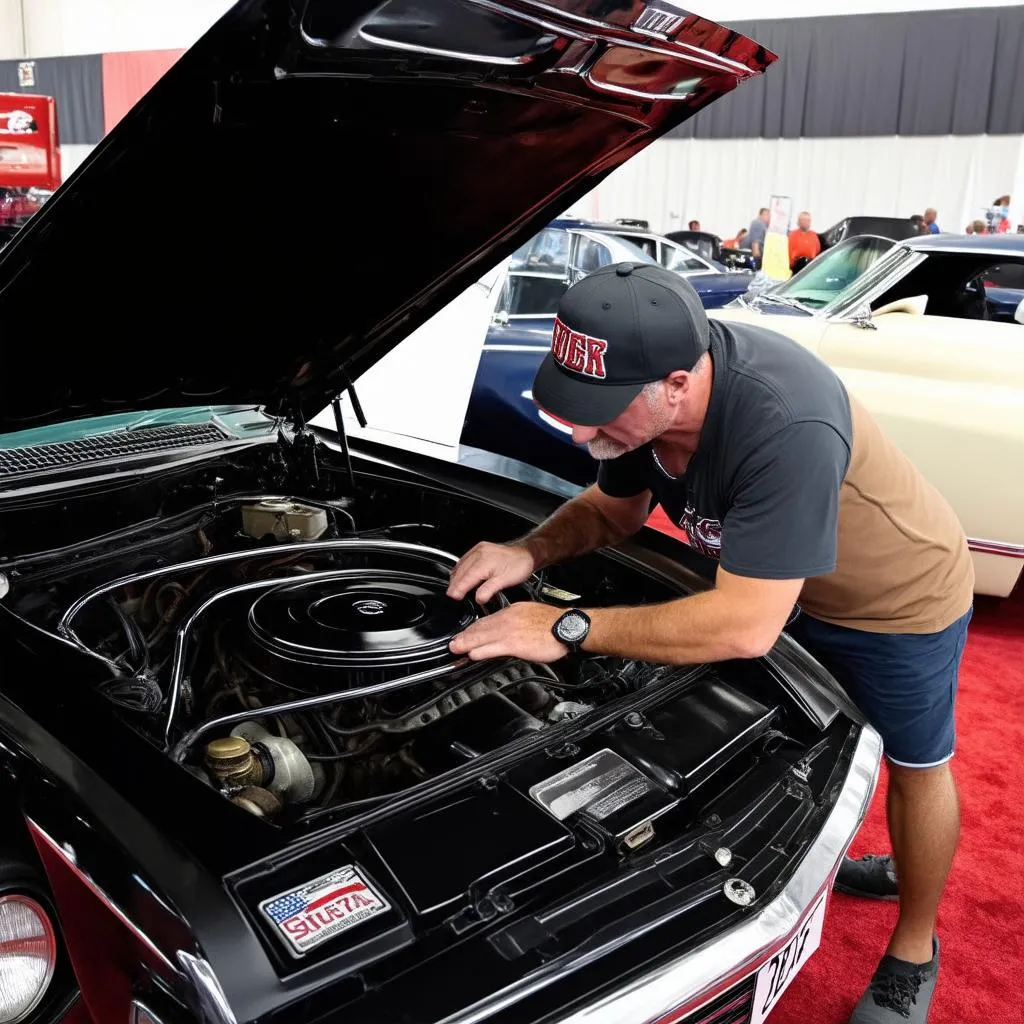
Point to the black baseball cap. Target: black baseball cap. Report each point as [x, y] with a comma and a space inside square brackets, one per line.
[617, 329]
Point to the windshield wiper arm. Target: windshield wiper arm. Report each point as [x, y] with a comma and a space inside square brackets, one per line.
[782, 300]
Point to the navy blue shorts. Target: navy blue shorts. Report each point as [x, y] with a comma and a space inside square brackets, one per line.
[904, 683]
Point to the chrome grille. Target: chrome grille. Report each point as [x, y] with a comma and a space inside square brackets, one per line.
[732, 1007]
[14, 461]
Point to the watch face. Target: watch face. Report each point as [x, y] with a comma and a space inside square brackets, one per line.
[572, 627]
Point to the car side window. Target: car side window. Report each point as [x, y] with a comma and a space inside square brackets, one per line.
[546, 252]
[960, 285]
[532, 294]
[680, 261]
[1005, 275]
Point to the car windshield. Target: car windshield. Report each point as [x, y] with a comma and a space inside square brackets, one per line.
[233, 421]
[821, 281]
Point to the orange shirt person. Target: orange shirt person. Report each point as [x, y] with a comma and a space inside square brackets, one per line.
[802, 240]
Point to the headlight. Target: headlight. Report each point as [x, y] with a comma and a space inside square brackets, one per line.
[28, 955]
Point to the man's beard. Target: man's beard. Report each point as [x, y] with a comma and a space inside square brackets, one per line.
[605, 448]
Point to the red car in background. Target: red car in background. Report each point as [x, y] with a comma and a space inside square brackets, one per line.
[29, 158]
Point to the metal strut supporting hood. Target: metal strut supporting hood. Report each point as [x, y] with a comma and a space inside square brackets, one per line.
[312, 180]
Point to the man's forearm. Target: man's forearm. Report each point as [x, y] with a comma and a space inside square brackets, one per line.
[576, 528]
[688, 631]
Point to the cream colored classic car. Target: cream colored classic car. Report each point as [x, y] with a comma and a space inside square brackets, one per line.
[923, 334]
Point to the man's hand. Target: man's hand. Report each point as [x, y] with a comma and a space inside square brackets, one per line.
[521, 630]
[491, 567]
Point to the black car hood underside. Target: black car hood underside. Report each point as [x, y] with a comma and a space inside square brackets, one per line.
[312, 181]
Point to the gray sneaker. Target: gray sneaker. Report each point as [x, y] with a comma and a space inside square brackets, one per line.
[899, 991]
[872, 877]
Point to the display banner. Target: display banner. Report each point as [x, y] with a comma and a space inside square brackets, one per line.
[775, 259]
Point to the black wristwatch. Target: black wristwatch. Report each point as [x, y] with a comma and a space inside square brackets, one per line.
[571, 628]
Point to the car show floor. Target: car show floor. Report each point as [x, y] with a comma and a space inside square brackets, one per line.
[980, 921]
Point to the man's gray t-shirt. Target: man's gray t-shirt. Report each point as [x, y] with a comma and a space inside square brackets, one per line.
[761, 493]
[756, 233]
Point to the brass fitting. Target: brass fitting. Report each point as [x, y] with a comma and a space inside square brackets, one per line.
[231, 760]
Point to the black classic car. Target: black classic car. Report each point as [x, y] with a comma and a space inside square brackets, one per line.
[242, 778]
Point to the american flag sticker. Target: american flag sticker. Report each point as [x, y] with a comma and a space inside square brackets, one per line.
[321, 909]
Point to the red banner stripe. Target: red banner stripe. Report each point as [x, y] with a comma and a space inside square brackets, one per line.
[344, 891]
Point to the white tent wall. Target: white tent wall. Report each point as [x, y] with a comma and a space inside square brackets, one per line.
[723, 182]
[56, 28]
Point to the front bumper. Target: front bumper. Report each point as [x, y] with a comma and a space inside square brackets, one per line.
[674, 991]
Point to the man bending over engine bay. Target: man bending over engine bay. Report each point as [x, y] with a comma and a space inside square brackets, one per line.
[754, 447]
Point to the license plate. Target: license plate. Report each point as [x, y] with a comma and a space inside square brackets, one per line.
[773, 979]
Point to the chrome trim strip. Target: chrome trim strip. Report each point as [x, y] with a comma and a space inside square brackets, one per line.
[1006, 255]
[432, 51]
[621, 90]
[102, 896]
[181, 645]
[995, 547]
[270, 710]
[839, 308]
[142, 1014]
[64, 626]
[213, 1005]
[705, 973]
[517, 348]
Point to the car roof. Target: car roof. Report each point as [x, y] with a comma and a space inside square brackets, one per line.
[597, 225]
[1010, 244]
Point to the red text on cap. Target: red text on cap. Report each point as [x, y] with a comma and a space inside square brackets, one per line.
[578, 352]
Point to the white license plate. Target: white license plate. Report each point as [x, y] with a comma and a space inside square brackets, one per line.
[773, 979]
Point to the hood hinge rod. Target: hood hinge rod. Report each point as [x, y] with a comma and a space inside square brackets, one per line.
[339, 422]
[354, 399]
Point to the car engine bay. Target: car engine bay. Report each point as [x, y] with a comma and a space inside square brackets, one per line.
[296, 664]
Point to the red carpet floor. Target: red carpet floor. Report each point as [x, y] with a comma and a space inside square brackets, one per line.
[981, 920]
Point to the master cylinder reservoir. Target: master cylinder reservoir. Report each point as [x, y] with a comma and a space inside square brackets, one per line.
[283, 519]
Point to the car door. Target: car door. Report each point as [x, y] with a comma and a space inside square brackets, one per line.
[950, 393]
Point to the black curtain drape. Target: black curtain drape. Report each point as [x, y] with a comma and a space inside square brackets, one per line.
[956, 72]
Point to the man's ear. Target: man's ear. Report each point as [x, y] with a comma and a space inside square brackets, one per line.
[677, 384]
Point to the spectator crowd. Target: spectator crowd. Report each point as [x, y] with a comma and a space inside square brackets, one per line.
[805, 243]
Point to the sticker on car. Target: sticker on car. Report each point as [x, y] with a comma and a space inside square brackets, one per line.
[601, 784]
[306, 917]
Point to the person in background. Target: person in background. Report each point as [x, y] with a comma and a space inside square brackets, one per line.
[929, 220]
[970, 228]
[694, 225]
[999, 215]
[804, 244]
[737, 242]
[980, 227]
[919, 225]
[755, 234]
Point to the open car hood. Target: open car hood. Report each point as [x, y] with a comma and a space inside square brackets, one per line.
[242, 235]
